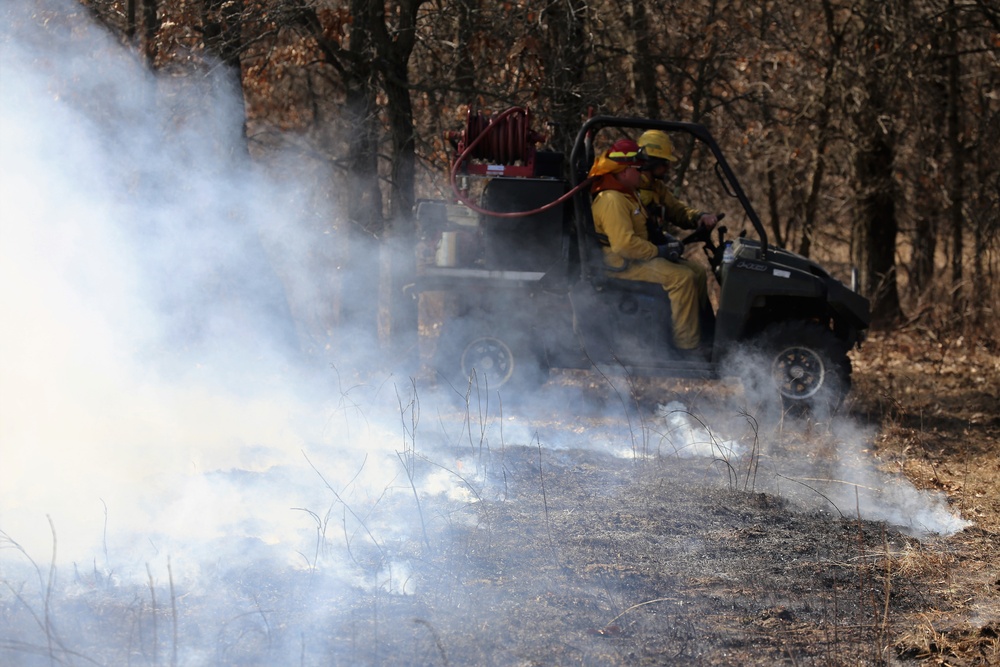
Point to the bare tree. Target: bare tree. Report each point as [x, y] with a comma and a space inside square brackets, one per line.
[645, 59]
[222, 31]
[566, 60]
[928, 188]
[832, 62]
[875, 119]
[394, 46]
[956, 175]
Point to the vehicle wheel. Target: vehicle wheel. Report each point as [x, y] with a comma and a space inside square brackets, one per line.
[491, 359]
[808, 365]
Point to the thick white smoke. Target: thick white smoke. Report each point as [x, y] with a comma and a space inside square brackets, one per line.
[154, 407]
[146, 337]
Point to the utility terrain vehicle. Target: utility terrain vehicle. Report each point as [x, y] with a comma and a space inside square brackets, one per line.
[516, 257]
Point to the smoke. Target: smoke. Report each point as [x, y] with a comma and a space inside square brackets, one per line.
[156, 310]
[147, 335]
[840, 474]
[158, 410]
[822, 465]
[170, 404]
[686, 437]
[825, 460]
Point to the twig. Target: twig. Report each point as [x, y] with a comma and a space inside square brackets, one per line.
[48, 590]
[44, 622]
[888, 583]
[437, 638]
[407, 456]
[628, 418]
[636, 606]
[104, 535]
[152, 596]
[347, 508]
[416, 499]
[792, 479]
[263, 617]
[319, 538]
[173, 613]
[545, 500]
[754, 452]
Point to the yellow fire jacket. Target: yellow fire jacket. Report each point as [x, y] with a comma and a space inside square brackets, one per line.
[622, 218]
[654, 192]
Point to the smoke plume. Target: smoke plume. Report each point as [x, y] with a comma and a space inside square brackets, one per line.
[162, 412]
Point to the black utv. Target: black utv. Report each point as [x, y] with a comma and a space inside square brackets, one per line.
[521, 267]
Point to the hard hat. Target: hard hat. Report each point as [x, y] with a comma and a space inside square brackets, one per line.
[626, 152]
[655, 144]
[623, 154]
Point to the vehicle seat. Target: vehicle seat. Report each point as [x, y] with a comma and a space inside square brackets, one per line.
[592, 257]
[626, 316]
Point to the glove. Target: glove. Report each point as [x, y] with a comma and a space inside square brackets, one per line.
[707, 220]
[671, 250]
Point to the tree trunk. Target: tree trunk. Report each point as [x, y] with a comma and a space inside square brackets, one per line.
[643, 64]
[956, 187]
[359, 307]
[465, 68]
[131, 23]
[772, 206]
[567, 38]
[150, 27]
[824, 128]
[812, 202]
[877, 228]
[222, 23]
[706, 69]
[986, 214]
[398, 313]
[925, 231]
[151, 23]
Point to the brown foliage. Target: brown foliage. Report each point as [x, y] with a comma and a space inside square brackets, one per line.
[796, 93]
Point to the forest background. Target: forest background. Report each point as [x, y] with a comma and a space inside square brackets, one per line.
[864, 131]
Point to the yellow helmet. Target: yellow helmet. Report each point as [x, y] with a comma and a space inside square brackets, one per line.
[656, 145]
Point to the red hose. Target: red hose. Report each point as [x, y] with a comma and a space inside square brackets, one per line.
[517, 135]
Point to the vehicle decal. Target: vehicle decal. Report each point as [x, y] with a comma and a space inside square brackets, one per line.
[744, 264]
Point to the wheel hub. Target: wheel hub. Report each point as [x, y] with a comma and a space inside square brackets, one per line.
[491, 357]
[799, 372]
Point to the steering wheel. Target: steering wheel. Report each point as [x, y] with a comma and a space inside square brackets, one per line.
[704, 235]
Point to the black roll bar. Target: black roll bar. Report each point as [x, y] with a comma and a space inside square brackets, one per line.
[582, 156]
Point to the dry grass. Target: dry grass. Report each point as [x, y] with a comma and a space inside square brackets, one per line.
[576, 556]
[937, 399]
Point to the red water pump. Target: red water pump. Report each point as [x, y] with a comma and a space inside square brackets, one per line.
[503, 145]
[496, 146]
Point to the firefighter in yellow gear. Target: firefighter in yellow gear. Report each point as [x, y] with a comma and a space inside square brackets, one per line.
[621, 217]
[657, 149]
[663, 207]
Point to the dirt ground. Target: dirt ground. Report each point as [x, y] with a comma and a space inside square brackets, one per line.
[596, 559]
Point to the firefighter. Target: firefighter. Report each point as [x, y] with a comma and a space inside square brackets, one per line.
[663, 207]
[620, 216]
[658, 151]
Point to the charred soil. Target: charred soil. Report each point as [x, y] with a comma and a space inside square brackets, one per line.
[595, 559]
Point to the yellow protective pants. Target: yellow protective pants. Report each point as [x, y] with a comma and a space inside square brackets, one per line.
[686, 284]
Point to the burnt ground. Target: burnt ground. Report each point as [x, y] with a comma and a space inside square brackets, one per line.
[593, 559]
[662, 569]
[576, 555]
